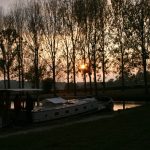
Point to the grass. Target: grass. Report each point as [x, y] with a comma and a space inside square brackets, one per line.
[135, 94]
[129, 93]
[128, 130]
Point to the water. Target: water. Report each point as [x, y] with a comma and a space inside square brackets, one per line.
[127, 104]
[23, 105]
[118, 105]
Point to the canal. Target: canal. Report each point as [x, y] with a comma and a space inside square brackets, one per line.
[120, 105]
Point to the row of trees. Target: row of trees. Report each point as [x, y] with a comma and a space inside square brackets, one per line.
[52, 38]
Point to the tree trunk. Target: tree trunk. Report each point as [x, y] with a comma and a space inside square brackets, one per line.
[143, 52]
[5, 85]
[36, 69]
[8, 77]
[94, 68]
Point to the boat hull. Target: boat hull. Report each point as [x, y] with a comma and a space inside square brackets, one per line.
[55, 113]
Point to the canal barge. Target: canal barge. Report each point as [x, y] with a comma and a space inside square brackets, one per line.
[57, 107]
[20, 106]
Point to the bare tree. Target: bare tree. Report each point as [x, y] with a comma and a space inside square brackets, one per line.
[19, 19]
[121, 30]
[140, 19]
[35, 25]
[9, 37]
[7, 45]
[72, 34]
[51, 30]
[2, 62]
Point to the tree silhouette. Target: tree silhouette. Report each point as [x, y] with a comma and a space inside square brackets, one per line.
[7, 42]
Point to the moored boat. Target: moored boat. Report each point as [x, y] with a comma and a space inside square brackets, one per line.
[55, 108]
[29, 105]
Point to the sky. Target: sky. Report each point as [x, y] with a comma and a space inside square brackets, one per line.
[6, 3]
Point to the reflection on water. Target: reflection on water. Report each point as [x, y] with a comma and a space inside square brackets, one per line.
[120, 105]
[23, 105]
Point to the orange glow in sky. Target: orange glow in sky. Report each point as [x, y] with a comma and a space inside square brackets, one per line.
[83, 67]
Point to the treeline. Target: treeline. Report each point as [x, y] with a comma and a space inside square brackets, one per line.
[52, 38]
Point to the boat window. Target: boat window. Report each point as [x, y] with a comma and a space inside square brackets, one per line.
[56, 113]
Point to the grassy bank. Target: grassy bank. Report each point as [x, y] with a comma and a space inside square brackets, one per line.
[133, 94]
[128, 130]
[128, 94]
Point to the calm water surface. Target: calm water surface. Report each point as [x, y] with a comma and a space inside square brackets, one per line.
[118, 105]
[127, 104]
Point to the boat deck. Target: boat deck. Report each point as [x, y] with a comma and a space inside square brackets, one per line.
[68, 104]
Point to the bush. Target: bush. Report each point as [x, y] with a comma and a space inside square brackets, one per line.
[47, 84]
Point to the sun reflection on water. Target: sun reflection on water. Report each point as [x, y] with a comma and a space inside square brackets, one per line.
[119, 105]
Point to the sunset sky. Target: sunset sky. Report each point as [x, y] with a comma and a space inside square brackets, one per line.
[6, 4]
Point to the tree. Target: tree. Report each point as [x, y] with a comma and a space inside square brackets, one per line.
[19, 21]
[29, 76]
[72, 34]
[122, 31]
[47, 84]
[51, 36]
[86, 16]
[34, 25]
[140, 24]
[104, 25]
[9, 51]
[142, 30]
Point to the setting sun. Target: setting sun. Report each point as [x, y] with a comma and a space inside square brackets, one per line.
[83, 67]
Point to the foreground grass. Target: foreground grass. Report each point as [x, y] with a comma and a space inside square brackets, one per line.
[128, 130]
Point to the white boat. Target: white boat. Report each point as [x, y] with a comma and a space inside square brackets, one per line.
[55, 108]
[25, 110]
